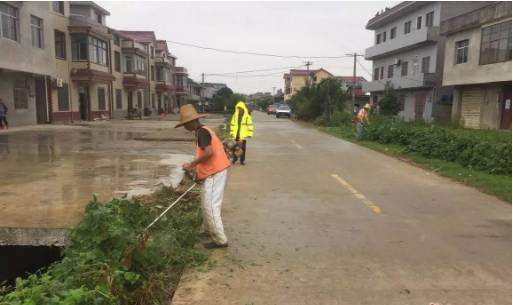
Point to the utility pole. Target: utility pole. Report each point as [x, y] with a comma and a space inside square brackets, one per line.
[308, 64]
[353, 83]
[202, 78]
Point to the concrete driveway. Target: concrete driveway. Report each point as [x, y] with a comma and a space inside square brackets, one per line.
[313, 219]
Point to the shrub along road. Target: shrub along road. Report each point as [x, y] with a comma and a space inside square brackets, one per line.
[313, 219]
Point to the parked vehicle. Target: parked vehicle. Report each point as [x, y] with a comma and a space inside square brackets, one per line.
[283, 110]
[271, 109]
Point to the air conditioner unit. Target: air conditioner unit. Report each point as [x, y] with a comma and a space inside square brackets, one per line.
[58, 83]
[397, 61]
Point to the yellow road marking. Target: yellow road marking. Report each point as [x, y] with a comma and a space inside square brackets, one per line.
[371, 205]
[297, 145]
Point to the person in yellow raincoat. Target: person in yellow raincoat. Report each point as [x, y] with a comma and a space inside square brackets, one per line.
[241, 128]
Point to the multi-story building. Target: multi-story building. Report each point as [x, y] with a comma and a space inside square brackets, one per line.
[478, 66]
[297, 79]
[350, 83]
[408, 53]
[61, 63]
[180, 78]
[28, 66]
[208, 91]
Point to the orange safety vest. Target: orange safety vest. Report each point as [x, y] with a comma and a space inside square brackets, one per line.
[217, 163]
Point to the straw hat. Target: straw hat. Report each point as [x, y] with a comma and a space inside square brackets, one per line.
[187, 114]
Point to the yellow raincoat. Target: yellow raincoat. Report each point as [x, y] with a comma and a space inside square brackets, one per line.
[246, 128]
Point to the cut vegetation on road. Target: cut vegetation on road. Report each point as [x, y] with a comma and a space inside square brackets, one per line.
[111, 262]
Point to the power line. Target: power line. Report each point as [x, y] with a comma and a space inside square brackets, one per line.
[250, 52]
[250, 71]
[252, 75]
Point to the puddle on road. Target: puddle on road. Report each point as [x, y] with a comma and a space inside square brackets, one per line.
[48, 177]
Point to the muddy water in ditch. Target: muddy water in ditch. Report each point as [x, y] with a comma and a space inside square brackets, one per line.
[47, 177]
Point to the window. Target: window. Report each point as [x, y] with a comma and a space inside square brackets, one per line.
[378, 39]
[129, 64]
[430, 19]
[419, 22]
[152, 73]
[79, 47]
[9, 21]
[461, 51]
[117, 41]
[139, 99]
[20, 94]
[62, 97]
[101, 98]
[99, 18]
[117, 61]
[97, 51]
[36, 25]
[425, 64]
[407, 27]
[60, 45]
[119, 99]
[495, 43]
[382, 73]
[392, 33]
[140, 65]
[58, 6]
[402, 101]
[384, 36]
[404, 68]
[390, 71]
[376, 73]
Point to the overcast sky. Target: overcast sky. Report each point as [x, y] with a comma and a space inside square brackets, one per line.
[285, 28]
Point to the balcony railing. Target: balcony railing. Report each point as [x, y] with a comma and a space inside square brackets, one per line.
[494, 11]
[403, 42]
[402, 82]
[82, 24]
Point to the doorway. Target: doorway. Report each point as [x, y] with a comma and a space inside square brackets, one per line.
[130, 101]
[83, 100]
[41, 101]
[506, 107]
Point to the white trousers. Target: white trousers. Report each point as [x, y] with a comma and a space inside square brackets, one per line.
[212, 202]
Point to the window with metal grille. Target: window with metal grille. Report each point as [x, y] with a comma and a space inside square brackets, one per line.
[384, 36]
[101, 98]
[404, 68]
[495, 43]
[378, 39]
[8, 21]
[425, 64]
[20, 94]
[62, 97]
[60, 45]
[36, 26]
[119, 99]
[419, 22]
[430, 19]
[461, 51]
[393, 32]
[376, 74]
[407, 27]
[390, 71]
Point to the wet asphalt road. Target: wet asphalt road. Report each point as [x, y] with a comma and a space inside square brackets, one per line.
[317, 220]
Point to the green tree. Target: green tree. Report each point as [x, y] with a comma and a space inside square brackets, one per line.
[222, 98]
[389, 105]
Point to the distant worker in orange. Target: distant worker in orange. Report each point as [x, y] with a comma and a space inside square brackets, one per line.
[362, 119]
[211, 166]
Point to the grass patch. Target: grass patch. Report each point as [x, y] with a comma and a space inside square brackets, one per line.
[497, 185]
[112, 261]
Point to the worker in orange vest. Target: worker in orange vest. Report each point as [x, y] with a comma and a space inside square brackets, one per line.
[211, 166]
